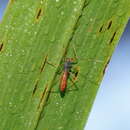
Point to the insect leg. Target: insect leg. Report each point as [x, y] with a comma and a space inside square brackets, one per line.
[51, 64]
[88, 59]
[75, 72]
[75, 54]
[73, 83]
[55, 66]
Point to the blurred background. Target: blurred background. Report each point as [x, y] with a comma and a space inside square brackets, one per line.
[111, 109]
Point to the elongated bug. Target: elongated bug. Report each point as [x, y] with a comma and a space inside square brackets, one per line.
[69, 62]
[69, 68]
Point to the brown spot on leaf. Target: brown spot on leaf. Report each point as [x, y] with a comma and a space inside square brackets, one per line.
[35, 87]
[39, 13]
[109, 25]
[42, 96]
[101, 28]
[43, 64]
[1, 46]
[112, 38]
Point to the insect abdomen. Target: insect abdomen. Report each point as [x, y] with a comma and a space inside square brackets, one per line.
[63, 83]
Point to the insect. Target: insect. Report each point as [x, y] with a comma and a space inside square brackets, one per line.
[67, 69]
[68, 64]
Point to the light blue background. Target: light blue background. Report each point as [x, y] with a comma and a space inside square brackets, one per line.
[111, 110]
[3, 4]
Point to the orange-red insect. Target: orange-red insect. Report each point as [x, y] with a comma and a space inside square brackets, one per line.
[65, 75]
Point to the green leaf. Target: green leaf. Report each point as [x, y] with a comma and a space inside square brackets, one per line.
[35, 33]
